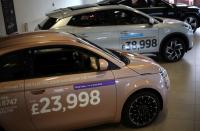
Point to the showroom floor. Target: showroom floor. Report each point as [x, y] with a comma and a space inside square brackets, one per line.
[184, 96]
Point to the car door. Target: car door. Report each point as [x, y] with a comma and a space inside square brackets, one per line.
[13, 110]
[66, 91]
[96, 27]
[135, 32]
[157, 8]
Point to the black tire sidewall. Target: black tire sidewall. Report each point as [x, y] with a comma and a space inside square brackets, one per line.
[166, 43]
[125, 114]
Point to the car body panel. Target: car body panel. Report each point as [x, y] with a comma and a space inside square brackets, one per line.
[13, 108]
[98, 35]
[67, 116]
[77, 100]
[125, 37]
[138, 33]
[139, 84]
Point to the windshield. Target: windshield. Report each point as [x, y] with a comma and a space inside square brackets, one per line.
[121, 56]
[85, 41]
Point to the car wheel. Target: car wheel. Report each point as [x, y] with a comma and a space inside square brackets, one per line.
[173, 50]
[141, 109]
[193, 21]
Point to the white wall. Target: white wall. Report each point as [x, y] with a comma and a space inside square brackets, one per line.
[2, 24]
[32, 12]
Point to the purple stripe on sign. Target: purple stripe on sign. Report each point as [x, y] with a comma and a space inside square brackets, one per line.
[94, 84]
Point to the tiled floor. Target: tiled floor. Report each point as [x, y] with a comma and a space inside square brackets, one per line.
[184, 96]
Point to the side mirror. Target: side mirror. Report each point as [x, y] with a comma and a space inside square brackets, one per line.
[151, 21]
[103, 64]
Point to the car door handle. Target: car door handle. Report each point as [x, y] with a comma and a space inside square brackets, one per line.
[37, 92]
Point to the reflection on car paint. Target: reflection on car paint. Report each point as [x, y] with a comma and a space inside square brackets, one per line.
[54, 82]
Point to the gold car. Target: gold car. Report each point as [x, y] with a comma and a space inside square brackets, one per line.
[57, 81]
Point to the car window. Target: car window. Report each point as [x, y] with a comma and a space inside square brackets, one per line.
[124, 17]
[108, 18]
[63, 60]
[156, 3]
[100, 18]
[139, 3]
[12, 66]
[89, 19]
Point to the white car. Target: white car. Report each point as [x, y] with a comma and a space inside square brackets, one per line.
[124, 28]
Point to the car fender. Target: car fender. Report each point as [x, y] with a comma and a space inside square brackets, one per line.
[174, 34]
[123, 94]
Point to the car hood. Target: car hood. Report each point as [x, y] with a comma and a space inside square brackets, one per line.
[173, 21]
[168, 20]
[186, 7]
[138, 63]
[141, 64]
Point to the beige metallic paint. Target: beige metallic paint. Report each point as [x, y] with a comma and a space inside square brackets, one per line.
[141, 73]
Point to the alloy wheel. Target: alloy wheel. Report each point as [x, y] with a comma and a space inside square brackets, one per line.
[143, 110]
[192, 21]
[174, 50]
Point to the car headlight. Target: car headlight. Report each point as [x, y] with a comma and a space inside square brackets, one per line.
[165, 78]
[163, 72]
[187, 26]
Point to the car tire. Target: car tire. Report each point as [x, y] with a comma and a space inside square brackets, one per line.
[173, 49]
[193, 21]
[141, 109]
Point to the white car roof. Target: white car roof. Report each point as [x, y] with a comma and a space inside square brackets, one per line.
[76, 10]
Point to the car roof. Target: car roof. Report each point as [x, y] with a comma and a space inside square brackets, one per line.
[76, 10]
[45, 38]
[34, 39]
[106, 2]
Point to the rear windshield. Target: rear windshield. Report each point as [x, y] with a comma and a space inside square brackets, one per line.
[47, 23]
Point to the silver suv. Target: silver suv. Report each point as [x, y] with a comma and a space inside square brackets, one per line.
[124, 28]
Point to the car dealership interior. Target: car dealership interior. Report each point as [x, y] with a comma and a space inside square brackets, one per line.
[166, 34]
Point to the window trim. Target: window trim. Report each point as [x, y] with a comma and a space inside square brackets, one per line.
[64, 74]
[29, 62]
[70, 23]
